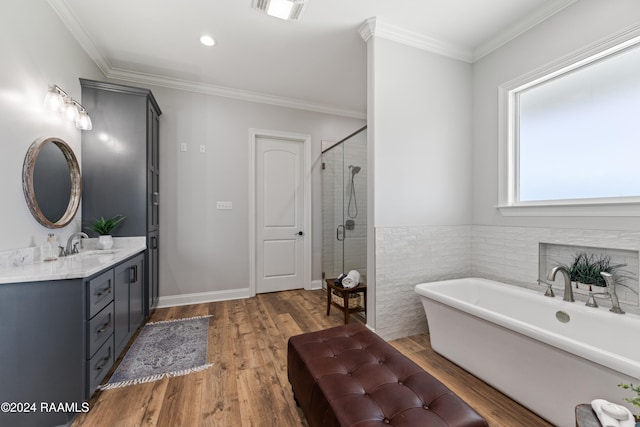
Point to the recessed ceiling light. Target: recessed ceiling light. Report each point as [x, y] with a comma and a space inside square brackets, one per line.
[207, 40]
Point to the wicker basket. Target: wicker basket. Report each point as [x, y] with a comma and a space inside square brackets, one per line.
[355, 299]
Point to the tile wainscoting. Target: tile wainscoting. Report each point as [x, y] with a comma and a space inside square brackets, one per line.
[406, 256]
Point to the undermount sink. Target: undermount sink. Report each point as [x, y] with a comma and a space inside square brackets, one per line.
[96, 252]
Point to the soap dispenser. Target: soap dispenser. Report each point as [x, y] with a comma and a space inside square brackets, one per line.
[49, 252]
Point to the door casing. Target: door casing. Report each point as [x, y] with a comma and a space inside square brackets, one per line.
[304, 139]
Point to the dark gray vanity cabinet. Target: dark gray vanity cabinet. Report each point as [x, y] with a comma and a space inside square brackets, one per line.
[41, 350]
[120, 166]
[60, 338]
[100, 325]
[115, 311]
[128, 300]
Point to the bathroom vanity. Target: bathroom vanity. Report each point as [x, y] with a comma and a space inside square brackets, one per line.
[62, 326]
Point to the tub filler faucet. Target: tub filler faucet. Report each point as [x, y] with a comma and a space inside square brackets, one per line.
[568, 291]
[611, 293]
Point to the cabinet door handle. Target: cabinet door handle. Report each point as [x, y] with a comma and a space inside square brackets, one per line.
[104, 291]
[154, 242]
[156, 198]
[133, 273]
[103, 362]
[104, 327]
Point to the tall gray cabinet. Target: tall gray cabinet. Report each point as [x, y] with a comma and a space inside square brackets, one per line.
[120, 166]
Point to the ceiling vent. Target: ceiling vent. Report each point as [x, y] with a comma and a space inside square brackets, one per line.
[289, 10]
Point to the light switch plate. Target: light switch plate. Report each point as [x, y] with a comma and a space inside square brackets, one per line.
[183, 147]
[203, 148]
[224, 205]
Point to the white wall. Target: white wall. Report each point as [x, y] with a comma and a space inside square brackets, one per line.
[205, 251]
[579, 25]
[37, 50]
[422, 138]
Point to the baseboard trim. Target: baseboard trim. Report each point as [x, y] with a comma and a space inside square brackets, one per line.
[203, 297]
[316, 284]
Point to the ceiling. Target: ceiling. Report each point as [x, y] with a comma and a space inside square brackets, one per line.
[316, 63]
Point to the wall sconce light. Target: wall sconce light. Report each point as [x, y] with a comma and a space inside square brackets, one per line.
[58, 100]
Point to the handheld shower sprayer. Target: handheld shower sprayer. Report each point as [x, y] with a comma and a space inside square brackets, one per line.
[352, 193]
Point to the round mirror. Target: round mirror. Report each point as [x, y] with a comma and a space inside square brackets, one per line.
[51, 182]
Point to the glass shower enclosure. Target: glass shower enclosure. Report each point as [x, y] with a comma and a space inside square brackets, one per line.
[344, 206]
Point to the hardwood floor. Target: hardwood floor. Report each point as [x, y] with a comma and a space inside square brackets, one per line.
[248, 385]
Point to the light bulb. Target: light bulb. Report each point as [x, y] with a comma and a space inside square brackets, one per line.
[53, 101]
[83, 121]
[70, 110]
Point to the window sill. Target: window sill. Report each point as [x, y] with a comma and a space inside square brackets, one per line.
[608, 209]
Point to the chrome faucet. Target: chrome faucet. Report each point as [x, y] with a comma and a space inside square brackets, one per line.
[568, 291]
[611, 291]
[71, 248]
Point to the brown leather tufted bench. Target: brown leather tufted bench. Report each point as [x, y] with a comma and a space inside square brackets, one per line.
[349, 376]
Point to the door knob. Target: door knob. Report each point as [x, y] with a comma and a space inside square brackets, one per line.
[299, 233]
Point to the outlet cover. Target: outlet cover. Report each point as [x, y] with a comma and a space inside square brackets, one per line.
[183, 147]
[224, 205]
[203, 148]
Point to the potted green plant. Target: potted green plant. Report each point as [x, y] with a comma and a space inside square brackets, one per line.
[586, 269]
[104, 227]
[633, 400]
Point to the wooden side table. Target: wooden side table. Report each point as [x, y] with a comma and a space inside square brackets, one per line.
[331, 286]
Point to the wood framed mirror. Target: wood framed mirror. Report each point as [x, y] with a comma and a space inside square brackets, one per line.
[51, 182]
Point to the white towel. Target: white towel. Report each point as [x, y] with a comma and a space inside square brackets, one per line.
[352, 280]
[609, 421]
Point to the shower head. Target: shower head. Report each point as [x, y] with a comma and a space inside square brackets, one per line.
[354, 169]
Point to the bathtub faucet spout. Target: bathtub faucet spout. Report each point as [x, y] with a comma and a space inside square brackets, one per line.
[568, 292]
[611, 290]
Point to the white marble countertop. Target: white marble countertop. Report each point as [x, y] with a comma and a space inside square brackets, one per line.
[21, 266]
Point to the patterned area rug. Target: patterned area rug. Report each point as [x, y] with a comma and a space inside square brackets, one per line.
[164, 349]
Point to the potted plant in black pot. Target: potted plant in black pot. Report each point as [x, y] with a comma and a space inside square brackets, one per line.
[104, 228]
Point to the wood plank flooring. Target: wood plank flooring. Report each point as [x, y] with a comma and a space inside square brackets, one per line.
[248, 386]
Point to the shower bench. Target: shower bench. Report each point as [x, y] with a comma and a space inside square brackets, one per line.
[348, 376]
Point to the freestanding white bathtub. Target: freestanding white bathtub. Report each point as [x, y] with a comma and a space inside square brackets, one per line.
[512, 338]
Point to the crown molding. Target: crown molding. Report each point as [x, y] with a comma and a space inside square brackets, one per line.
[374, 27]
[78, 32]
[70, 20]
[541, 14]
[209, 89]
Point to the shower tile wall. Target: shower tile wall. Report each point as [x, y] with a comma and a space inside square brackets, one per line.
[406, 256]
[331, 214]
[355, 243]
[336, 176]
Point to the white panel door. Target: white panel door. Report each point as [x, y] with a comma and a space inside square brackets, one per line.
[279, 215]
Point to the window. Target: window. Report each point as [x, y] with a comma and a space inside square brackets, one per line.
[570, 136]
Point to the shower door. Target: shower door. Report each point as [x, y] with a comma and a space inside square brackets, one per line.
[344, 206]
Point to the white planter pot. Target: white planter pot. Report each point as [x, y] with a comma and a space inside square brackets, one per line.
[105, 242]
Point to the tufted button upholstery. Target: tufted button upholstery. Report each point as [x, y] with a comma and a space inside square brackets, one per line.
[349, 376]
